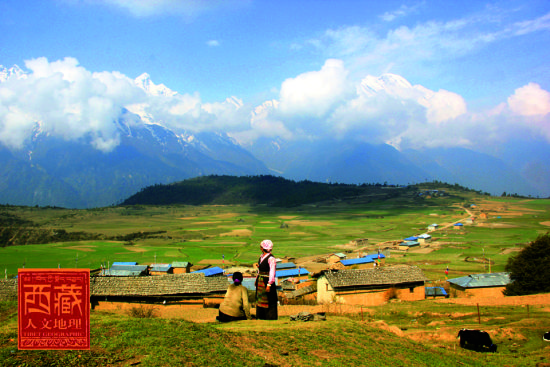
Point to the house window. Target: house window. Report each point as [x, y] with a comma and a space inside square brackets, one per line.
[411, 289]
[326, 286]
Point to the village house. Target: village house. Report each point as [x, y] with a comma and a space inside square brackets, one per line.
[181, 267]
[122, 270]
[283, 266]
[288, 259]
[480, 285]
[424, 238]
[371, 286]
[210, 272]
[194, 290]
[334, 258]
[458, 226]
[433, 227]
[160, 269]
[305, 291]
[358, 263]
[405, 246]
[298, 274]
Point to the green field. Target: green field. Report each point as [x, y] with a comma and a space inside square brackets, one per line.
[421, 333]
[203, 233]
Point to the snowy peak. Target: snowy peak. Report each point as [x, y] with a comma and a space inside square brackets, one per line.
[390, 84]
[144, 82]
[13, 72]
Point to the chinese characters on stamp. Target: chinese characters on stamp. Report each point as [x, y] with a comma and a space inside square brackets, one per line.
[54, 308]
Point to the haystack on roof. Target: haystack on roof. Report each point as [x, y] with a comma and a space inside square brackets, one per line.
[163, 285]
[375, 277]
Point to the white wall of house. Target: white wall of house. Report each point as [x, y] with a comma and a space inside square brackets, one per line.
[325, 293]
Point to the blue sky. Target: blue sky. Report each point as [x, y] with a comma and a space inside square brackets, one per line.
[470, 62]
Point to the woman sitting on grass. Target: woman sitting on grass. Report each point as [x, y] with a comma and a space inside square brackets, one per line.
[235, 305]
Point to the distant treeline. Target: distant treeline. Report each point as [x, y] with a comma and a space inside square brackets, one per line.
[253, 190]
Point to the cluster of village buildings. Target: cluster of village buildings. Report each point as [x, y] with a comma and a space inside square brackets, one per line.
[364, 280]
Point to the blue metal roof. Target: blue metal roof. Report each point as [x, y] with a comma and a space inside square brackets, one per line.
[291, 273]
[458, 224]
[286, 266]
[360, 260]
[412, 238]
[208, 272]
[124, 263]
[482, 280]
[374, 257]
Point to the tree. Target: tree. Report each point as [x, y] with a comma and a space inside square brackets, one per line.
[530, 269]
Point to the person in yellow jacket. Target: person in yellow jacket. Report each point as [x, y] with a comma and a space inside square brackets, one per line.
[235, 304]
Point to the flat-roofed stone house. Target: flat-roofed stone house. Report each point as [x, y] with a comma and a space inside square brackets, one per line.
[371, 286]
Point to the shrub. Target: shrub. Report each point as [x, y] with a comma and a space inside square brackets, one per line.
[142, 312]
[530, 269]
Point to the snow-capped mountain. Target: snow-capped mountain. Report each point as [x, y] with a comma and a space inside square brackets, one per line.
[73, 173]
[13, 72]
[144, 82]
[108, 148]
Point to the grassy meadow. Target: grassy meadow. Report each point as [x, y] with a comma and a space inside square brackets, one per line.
[421, 333]
[203, 234]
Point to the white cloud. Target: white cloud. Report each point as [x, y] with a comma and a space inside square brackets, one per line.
[412, 49]
[213, 43]
[388, 109]
[186, 8]
[65, 100]
[530, 100]
[444, 106]
[314, 93]
[69, 102]
[402, 11]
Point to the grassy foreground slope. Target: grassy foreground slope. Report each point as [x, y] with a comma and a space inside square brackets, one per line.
[397, 334]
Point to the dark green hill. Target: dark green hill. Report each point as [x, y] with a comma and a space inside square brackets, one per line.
[268, 190]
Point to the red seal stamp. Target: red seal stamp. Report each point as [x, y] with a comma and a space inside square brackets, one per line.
[54, 308]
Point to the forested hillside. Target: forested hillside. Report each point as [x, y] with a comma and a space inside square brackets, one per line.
[268, 190]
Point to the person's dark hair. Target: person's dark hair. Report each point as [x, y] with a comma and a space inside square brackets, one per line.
[237, 278]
